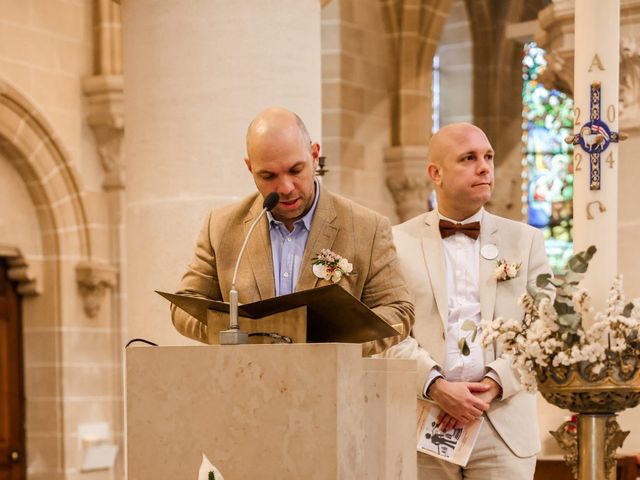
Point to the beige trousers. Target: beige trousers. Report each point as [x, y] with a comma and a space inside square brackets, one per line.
[491, 459]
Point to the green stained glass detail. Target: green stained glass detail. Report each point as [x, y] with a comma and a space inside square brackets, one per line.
[547, 120]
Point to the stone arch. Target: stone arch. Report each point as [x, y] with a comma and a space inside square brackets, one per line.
[30, 148]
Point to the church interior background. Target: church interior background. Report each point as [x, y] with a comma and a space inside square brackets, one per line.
[114, 142]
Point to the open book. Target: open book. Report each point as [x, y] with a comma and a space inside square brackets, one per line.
[454, 446]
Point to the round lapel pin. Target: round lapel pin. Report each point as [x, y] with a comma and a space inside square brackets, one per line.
[489, 251]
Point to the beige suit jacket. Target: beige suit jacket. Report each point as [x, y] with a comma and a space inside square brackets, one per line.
[421, 255]
[360, 235]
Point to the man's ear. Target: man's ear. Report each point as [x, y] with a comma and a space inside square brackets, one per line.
[434, 173]
[315, 153]
[248, 164]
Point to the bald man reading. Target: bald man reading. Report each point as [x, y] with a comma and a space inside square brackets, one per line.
[449, 258]
[307, 219]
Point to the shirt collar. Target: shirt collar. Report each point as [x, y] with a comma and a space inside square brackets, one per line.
[476, 217]
[308, 217]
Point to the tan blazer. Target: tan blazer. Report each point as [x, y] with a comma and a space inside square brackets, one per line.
[421, 255]
[360, 235]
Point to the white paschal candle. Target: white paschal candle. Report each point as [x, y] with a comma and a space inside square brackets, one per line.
[595, 212]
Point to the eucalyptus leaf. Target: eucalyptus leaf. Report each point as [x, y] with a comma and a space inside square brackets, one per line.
[469, 326]
[540, 295]
[211, 476]
[572, 339]
[556, 282]
[628, 308]
[578, 264]
[464, 347]
[542, 280]
[562, 308]
[572, 277]
[563, 300]
[571, 320]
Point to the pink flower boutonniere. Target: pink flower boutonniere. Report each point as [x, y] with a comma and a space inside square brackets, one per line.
[506, 270]
[329, 265]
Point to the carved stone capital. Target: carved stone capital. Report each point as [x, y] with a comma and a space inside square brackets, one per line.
[21, 272]
[406, 174]
[105, 96]
[558, 39]
[559, 73]
[630, 81]
[93, 281]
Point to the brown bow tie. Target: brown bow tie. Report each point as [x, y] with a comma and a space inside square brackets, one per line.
[471, 230]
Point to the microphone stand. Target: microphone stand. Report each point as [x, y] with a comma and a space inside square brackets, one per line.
[233, 335]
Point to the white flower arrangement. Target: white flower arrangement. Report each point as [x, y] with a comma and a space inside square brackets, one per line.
[328, 265]
[551, 338]
[506, 270]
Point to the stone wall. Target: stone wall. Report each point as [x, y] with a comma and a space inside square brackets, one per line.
[355, 102]
[55, 231]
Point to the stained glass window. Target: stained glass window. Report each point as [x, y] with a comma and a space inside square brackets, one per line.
[547, 120]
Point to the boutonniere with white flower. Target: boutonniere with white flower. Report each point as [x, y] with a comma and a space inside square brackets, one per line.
[506, 270]
[329, 265]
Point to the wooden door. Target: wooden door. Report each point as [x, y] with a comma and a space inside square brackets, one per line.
[12, 438]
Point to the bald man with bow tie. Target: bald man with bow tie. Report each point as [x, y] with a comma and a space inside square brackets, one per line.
[449, 258]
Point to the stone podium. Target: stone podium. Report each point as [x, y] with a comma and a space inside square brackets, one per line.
[285, 411]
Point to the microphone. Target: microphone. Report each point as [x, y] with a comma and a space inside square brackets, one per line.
[271, 201]
[233, 336]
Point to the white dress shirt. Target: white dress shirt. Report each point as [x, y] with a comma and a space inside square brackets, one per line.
[462, 267]
[462, 264]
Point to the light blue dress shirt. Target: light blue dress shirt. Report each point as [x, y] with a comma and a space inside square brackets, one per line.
[287, 248]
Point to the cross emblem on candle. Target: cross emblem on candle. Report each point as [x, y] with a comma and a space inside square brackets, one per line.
[594, 137]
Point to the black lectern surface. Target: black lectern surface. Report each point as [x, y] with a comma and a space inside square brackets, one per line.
[333, 314]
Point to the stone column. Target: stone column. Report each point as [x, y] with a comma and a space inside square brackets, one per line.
[413, 31]
[195, 74]
[595, 86]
